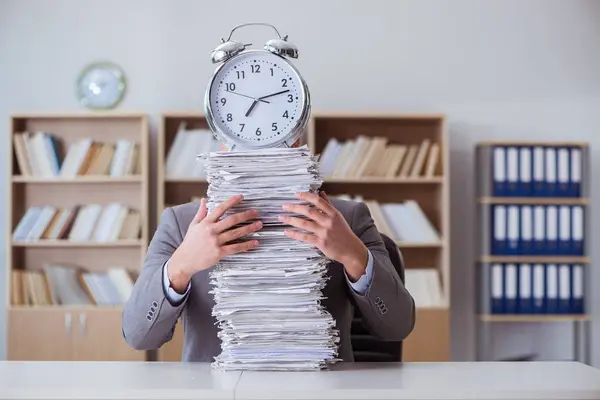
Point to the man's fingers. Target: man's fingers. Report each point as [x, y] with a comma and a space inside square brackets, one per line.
[300, 223]
[201, 213]
[318, 202]
[222, 208]
[303, 237]
[307, 211]
[239, 232]
[239, 247]
[233, 220]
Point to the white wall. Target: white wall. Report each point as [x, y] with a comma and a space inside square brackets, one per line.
[498, 69]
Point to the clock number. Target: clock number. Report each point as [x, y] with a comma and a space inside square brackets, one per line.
[255, 68]
[241, 74]
[274, 126]
[230, 87]
[290, 98]
[284, 83]
[258, 132]
[271, 71]
[223, 100]
[229, 117]
[285, 114]
[242, 127]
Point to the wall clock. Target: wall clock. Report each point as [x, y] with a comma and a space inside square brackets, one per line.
[256, 98]
[101, 85]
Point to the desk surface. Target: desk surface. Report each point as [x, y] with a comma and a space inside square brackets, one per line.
[81, 380]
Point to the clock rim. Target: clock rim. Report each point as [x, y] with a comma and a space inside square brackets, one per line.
[231, 142]
[105, 65]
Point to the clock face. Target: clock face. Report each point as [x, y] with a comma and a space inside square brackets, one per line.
[257, 99]
[101, 86]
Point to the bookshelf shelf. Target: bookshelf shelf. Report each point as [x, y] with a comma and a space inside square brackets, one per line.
[532, 200]
[82, 179]
[532, 318]
[427, 186]
[75, 242]
[535, 259]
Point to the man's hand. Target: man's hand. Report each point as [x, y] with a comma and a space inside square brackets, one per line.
[206, 241]
[329, 232]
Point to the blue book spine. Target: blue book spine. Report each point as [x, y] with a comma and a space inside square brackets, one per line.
[499, 220]
[514, 227]
[577, 232]
[497, 288]
[525, 289]
[539, 230]
[499, 171]
[551, 230]
[564, 230]
[539, 176]
[510, 289]
[578, 294]
[550, 172]
[563, 188]
[576, 168]
[527, 230]
[525, 171]
[551, 289]
[512, 171]
[564, 289]
[539, 289]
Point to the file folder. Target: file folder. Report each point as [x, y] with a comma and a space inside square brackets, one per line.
[564, 289]
[539, 229]
[499, 169]
[526, 246]
[563, 186]
[499, 223]
[551, 230]
[539, 289]
[551, 289]
[550, 172]
[577, 234]
[525, 172]
[510, 289]
[577, 304]
[497, 289]
[525, 290]
[513, 230]
[539, 184]
[512, 171]
[564, 228]
[576, 168]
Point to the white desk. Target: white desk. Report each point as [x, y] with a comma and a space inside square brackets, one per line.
[83, 380]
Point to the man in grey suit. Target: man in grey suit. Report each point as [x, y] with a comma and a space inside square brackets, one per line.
[174, 282]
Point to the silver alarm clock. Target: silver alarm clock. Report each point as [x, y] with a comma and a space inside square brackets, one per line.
[256, 98]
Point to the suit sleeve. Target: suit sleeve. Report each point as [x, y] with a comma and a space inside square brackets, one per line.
[149, 316]
[386, 306]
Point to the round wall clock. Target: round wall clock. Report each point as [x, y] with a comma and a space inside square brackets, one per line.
[256, 98]
[101, 85]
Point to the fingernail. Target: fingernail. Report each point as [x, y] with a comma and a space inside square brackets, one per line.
[258, 224]
[255, 243]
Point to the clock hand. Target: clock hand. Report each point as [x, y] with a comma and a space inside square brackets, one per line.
[243, 95]
[274, 94]
[251, 107]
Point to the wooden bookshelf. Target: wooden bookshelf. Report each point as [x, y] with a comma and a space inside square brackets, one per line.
[430, 340]
[56, 332]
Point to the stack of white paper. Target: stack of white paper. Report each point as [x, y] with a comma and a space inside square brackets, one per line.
[268, 300]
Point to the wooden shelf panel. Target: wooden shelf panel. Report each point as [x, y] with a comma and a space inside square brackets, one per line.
[535, 259]
[67, 308]
[530, 143]
[72, 243]
[82, 179]
[389, 181]
[532, 200]
[533, 317]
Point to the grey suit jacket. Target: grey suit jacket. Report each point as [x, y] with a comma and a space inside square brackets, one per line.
[149, 318]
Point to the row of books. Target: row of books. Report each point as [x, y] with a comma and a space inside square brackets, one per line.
[375, 157]
[536, 289]
[537, 171]
[424, 286]
[537, 230]
[39, 154]
[70, 285]
[91, 222]
[404, 222]
[182, 155]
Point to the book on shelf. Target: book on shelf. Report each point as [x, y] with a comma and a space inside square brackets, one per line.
[403, 222]
[425, 287]
[70, 285]
[365, 157]
[181, 160]
[90, 222]
[39, 154]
